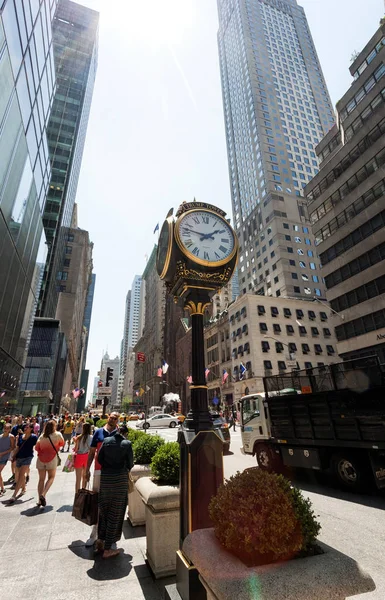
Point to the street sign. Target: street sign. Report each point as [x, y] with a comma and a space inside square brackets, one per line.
[291, 364]
[141, 357]
[104, 391]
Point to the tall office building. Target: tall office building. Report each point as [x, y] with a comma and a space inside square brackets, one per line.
[27, 82]
[75, 44]
[133, 319]
[346, 207]
[277, 108]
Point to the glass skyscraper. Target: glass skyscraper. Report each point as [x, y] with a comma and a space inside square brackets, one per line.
[277, 109]
[75, 45]
[27, 83]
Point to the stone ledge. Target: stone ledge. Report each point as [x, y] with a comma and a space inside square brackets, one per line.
[139, 471]
[331, 576]
[158, 498]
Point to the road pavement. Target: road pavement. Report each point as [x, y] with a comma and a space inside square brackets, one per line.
[353, 524]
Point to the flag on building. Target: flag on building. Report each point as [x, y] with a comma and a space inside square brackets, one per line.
[164, 366]
[242, 370]
[136, 393]
[159, 372]
[156, 228]
[141, 392]
[76, 393]
[207, 371]
[224, 376]
[189, 379]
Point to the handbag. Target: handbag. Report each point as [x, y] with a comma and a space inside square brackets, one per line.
[85, 507]
[69, 465]
[58, 457]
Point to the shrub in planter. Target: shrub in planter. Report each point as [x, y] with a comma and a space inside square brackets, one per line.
[260, 518]
[101, 422]
[145, 447]
[165, 463]
[134, 434]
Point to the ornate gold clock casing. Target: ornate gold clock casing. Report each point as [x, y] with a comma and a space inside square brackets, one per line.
[165, 254]
[198, 251]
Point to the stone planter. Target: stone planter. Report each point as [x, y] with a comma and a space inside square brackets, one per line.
[136, 510]
[331, 576]
[162, 525]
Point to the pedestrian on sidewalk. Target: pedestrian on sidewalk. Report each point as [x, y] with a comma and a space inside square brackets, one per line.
[110, 428]
[69, 426]
[82, 447]
[116, 459]
[7, 445]
[47, 448]
[23, 456]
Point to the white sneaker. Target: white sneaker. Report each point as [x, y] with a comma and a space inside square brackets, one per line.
[90, 542]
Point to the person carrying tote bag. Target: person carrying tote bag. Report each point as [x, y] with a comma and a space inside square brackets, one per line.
[48, 458]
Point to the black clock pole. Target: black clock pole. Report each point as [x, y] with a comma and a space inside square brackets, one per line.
[194, 270]
[201, 453]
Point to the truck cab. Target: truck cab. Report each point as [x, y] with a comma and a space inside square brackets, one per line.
[255, 422]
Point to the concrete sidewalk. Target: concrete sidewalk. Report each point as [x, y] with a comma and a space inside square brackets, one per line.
[42, 552]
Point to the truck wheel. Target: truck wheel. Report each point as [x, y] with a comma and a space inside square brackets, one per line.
[349, 470]
[265, 457]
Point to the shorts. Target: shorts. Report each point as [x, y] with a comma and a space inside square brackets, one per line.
[67, 436]
[52, 464]
[23, 462]
[80, 461]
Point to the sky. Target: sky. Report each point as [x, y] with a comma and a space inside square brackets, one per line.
[156, 130]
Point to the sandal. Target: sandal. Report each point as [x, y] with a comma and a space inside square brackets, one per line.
[43, 501]
[111, 553]
[12, 500]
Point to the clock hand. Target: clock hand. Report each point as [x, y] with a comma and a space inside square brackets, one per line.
[204, 235]
[218, 231]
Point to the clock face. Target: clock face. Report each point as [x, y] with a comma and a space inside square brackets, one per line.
[206, 236]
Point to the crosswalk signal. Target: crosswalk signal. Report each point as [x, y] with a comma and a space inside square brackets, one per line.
[109, 376]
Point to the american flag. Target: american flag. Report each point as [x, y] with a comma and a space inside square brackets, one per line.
[224, 376]
[207, 371]
[189, 379]
[159, 372]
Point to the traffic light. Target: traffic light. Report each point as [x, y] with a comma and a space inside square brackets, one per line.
[109, 376]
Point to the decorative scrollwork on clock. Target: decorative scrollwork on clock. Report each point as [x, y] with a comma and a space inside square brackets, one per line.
[218, 276]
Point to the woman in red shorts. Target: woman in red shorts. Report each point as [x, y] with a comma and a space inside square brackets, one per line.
[82, 446]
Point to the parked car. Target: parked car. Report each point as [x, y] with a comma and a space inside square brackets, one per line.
[224, 430]
[161, 420]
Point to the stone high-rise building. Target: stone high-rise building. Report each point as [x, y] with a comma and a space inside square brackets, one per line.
[277, 109]
[346, 207]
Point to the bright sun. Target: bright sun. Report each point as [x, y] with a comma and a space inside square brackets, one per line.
[159, 22]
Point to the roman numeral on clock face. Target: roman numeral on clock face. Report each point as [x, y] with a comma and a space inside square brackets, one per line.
[196, 251]
[217, 255]
[188, 243]
[206, 256]
[205, 219]
[196, 220]
[223, 249]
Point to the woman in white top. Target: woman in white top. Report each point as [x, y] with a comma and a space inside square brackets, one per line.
[79, 426]
[82, 446]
